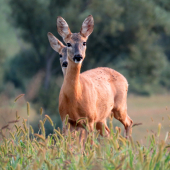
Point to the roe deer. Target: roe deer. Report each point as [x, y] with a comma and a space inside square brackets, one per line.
[95, 94]
[62, 50]
[59, 47]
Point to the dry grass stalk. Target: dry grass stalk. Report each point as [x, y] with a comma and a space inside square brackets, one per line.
[44, 120]
[12, 135]
[42, 128]
[37, 144]
[17, 116]
[13, 121]
[48, 164]
[4, 127]
[16, 127]
[28, 109]
[42, 144]
[59, 134]
[159, 129]
[2, 134]
[21, 130]
[32, 130]
[49, 119]
[41, 111]
[18, 97]
[24, 124]
[136, 124]
[40, 137]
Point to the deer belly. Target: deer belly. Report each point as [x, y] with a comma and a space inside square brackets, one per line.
[104, 110]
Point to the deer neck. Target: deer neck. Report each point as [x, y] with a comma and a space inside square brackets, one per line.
[71, 85]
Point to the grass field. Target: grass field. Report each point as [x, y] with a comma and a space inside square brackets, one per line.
[146, 110]
[21, 148]
[149, 111]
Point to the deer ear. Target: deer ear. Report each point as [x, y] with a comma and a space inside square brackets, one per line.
[87, 26]
[63, 28]
[55, 43]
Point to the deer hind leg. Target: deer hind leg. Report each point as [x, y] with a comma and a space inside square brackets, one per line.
[103, 131]
[128, 126]
[122, 116]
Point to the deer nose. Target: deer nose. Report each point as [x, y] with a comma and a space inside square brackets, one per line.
[77, 58]
[65, 63]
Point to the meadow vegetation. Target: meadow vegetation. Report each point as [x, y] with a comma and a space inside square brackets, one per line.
[22, 148]
[134, 40]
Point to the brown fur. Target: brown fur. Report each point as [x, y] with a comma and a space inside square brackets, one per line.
[95, 94]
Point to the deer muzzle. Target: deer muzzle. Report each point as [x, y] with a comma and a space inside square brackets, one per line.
[77, 58]
[65, 63]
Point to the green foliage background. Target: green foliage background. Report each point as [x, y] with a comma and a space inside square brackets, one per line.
[130, 36]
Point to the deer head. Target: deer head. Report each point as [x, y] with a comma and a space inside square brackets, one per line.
[76, 42]
[61, 49]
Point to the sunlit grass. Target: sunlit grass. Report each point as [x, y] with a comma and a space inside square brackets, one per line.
[24, 149]
[150, 111]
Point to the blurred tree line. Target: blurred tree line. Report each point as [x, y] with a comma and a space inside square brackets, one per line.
[130, 36]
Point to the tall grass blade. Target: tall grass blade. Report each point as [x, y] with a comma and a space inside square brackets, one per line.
[18, 97]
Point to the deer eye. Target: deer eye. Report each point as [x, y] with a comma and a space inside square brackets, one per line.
[60, 56]
[84, 43]
[68, 45]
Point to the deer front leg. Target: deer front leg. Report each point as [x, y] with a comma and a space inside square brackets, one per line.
[69, 125]
[103, 128]
[91, 128]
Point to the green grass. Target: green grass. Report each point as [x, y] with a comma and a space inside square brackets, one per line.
[21, 148]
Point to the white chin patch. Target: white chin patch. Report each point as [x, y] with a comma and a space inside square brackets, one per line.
[78, 61]
[64, 70]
